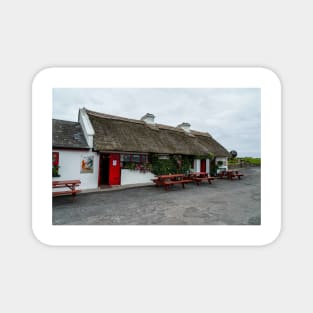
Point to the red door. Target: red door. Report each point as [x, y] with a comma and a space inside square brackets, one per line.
[203, 166]
[114, 169]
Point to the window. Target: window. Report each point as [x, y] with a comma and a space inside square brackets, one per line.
[144, 158]
[221, 162]
[125, 157]
[135, 158]
[134, 161]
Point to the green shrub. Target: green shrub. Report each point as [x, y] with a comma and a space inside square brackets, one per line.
[173, 165]
[55, 171]
[219, 163]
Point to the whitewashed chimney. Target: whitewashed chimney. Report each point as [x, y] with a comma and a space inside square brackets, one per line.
[148, 118]
[185, 127]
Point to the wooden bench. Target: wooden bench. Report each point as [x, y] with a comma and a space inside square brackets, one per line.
[157, 182]
[199, 177]
[171, 179]
[71, 184]
[223, 174]
[198, 180]
[230, 174]
[235, 175]
[174, 182]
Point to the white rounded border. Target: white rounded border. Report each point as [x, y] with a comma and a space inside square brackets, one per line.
[158, 235]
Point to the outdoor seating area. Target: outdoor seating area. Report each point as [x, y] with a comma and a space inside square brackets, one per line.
[173, 179]
[70, 184]
[223, 202]
[230, 174]
[199, 177]
[196, 177]
[161, 180]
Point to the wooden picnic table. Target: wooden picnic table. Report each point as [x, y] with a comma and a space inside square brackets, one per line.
[230, 174]
[171, 179]
[199, 177]
[71, 184]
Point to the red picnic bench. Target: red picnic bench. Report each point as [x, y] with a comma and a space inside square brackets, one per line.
[230, 174]
[171, 179]
[71, 184]
[199, 177]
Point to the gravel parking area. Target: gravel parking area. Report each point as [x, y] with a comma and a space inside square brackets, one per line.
[224, 202]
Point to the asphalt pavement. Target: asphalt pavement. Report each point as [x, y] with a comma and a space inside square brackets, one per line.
[224, 202]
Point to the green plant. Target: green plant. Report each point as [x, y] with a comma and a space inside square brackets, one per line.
[55, 171]
[213, 169]
[233, 161]
[175, 164]
[211, 156]
[220, 163]
[185, 165]
[130, 166]
[253, 161]
[163, 166]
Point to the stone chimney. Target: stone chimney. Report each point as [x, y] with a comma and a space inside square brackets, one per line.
[148, 118]
[185, 127]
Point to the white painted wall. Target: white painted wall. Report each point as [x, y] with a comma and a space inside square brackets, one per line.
[223, 159]
[129, 177]
[196, 165]
[69, 162]
[86, 125]
[223, 167]
[208, 166]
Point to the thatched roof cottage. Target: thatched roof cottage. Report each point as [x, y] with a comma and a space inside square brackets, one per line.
[127, 151]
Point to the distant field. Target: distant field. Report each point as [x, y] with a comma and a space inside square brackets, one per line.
[248, 160]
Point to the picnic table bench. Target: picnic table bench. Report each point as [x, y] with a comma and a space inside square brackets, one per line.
[171, 179]
[199, 177]
[230, 174]
[236, 174]
[71, 184]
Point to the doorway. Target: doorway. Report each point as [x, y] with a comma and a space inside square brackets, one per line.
[104, 169]
[203, 165]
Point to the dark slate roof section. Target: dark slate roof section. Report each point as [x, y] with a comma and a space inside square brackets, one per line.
[66, 134]
[114, 133]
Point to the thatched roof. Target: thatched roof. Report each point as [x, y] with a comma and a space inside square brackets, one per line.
[113, 133]
[66, 134]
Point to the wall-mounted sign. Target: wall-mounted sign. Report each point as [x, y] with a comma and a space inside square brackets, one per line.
[114, 162]
[86, 164]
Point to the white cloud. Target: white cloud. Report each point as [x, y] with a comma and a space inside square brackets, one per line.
[232, 116]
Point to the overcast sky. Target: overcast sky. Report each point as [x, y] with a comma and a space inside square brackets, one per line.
[231, 116]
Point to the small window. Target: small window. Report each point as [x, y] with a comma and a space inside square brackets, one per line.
[135, 158]
[125, 157]
[134, 161]
[144, 158]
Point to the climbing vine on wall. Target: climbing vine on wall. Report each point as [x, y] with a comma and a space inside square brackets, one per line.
[175, 164]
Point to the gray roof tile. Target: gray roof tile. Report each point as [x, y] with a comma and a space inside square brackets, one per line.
[66, 134]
